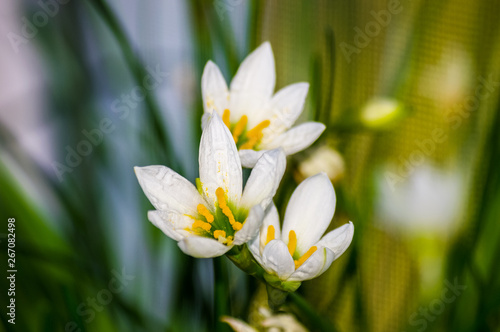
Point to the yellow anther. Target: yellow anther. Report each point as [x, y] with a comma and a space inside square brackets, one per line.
[240, 126]
[270, 234]
[292, 242]
[205, 212]
[219, 192]
[257, 130]
[225, 118]
[218, 233]
[255, 134]
[201, 224]
[304, 257]
[229, 214]
[249, 144]
[229, 240]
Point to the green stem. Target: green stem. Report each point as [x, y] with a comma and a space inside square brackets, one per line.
[303, 309]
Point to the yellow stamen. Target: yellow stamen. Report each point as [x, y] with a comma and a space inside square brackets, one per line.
[255, 134]
[205, 212]
[258, 128]
[218, 233]
[201, 224]
[304, 257]
[270, 234]
[240, 126]
[219, 192]
[226, 210]
[225, 118]
[249, 144]
[292, 242]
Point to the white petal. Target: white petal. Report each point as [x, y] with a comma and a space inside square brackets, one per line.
[237, 324]
[309, 211]
[339, 239]
[277, 260]
[297, 139]
[202, 247]
[250, 226]
[167, 190]
[318, 263]
[264, 179]
[219, 161]
[171, 223]
[271, 219]
[284, 109]
[214, 89]
[250, 157]
[253, 84]
[254, 247]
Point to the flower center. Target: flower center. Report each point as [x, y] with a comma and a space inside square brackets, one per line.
[222, 224]
[245, 139]
[292, 246]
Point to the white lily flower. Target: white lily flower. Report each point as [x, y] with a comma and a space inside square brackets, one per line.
[299, 252]
[211, 220]
[258, 120]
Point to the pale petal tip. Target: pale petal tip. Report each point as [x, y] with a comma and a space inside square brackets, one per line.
[265, 50]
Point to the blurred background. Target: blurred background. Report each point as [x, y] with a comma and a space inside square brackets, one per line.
[409, 91]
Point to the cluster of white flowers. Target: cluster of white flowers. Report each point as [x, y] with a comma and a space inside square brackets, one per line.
[246, 125]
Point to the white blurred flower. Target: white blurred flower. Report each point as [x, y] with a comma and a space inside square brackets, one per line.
[429, 200]
[258, 120]
[271, 323]
[449, 80]
[209, 221]
[324, 159]
[299, 252]
[381, 112]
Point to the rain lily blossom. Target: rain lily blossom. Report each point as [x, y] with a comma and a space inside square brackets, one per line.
[299, 252]
[258, 120]
[211, 218]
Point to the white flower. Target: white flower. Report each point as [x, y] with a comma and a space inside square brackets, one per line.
[209, 221]
[270, 322]
[258, 120]
[324, 159]
[298, 252]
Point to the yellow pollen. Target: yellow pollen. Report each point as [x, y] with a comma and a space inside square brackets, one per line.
[218, 233]
[229, 215]
[201, 224]
[205, 212]
[255, 134]
[240, 126]
[292, 242]
[225, 118]
[305, 257]
[219, 192]
[270, 234]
